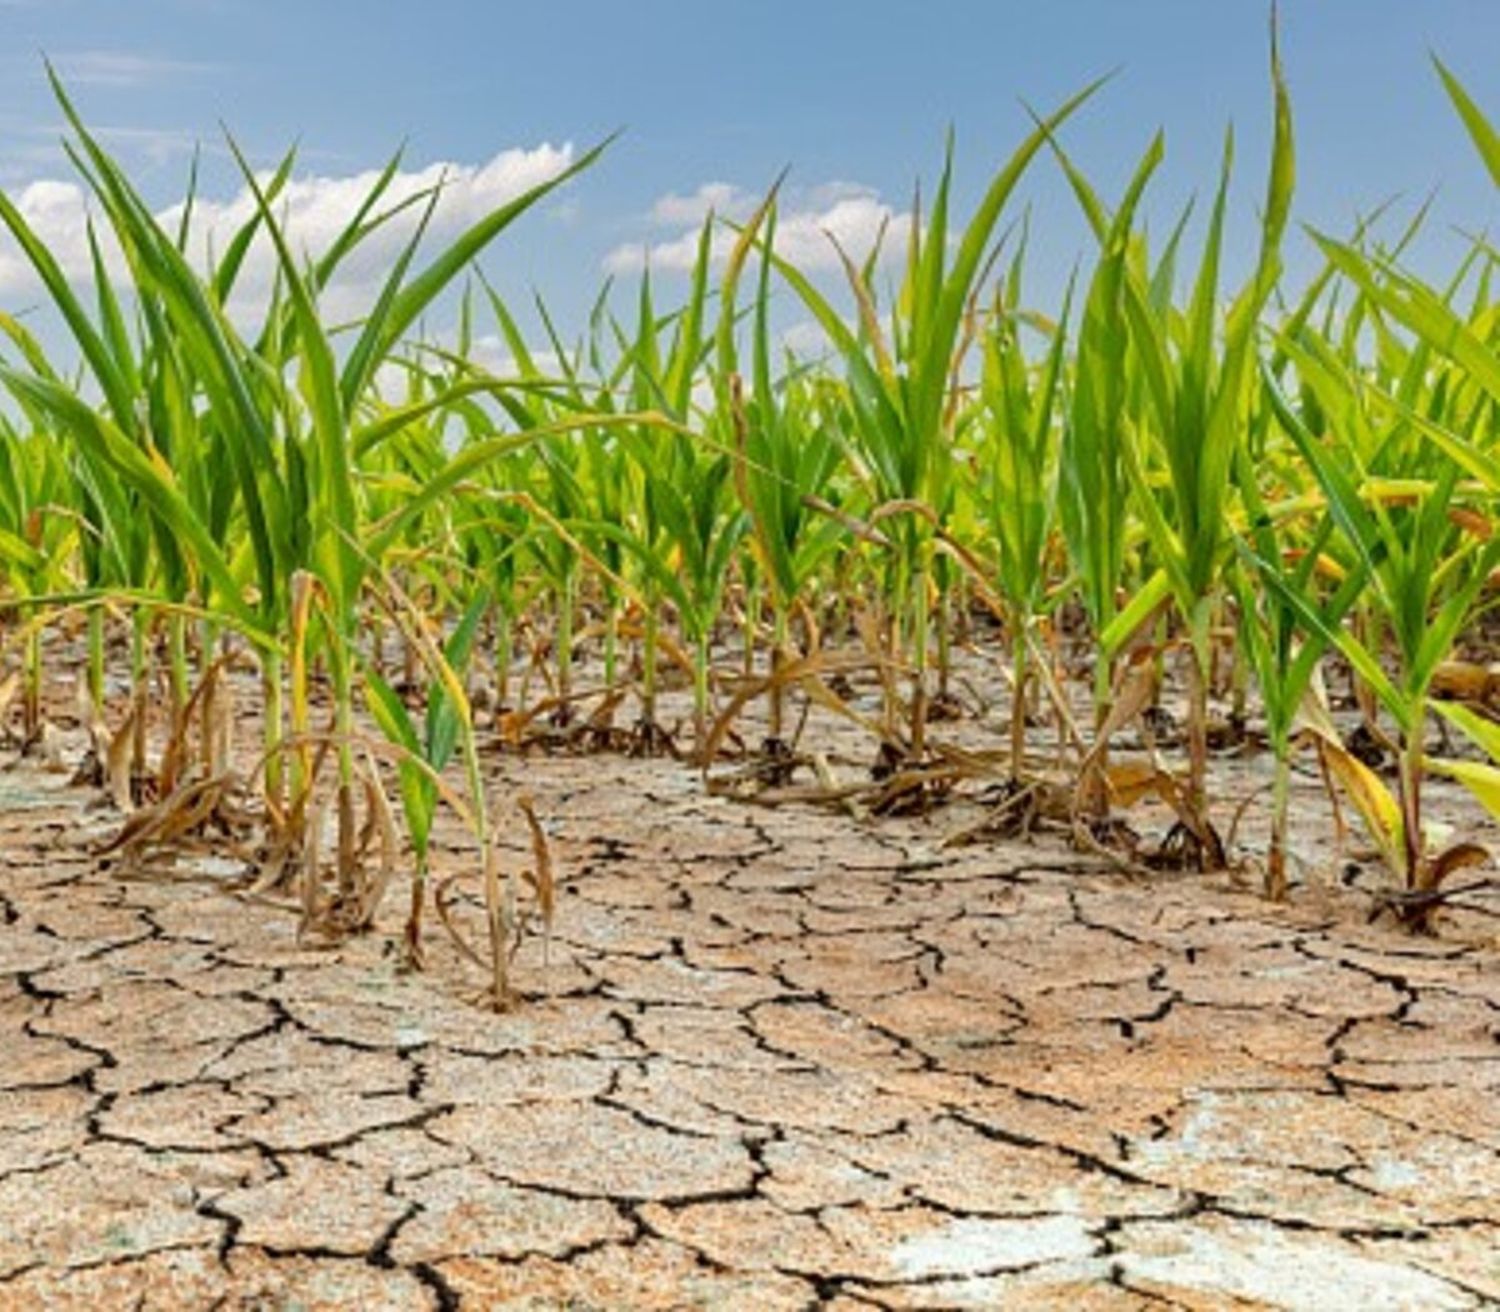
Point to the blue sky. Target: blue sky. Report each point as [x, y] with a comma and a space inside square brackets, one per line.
[855, 97]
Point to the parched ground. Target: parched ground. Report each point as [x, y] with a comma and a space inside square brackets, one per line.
[779, 1059]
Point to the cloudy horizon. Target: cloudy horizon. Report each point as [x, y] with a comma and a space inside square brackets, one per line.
[704, 137]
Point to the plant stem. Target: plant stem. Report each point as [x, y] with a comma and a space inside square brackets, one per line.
[564, 639]
[921, 620]
[648, 660]
[208, 637]
[343, 710]
[700, 692]
[944, 640]
[1197, 728]
[1018, 695]
[413, 936]
[1411, 801]
[96, 660]
[138, 692]
[31, 708]
[178, 664]
[504, 648]
[1103, 697]
[778, 656]
[1276, 883]
[752, 613]
[275, 773]
[611, 640]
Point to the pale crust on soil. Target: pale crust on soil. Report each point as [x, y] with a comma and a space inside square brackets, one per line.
[779, 1059]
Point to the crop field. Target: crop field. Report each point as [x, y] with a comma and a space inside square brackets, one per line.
[998, 811]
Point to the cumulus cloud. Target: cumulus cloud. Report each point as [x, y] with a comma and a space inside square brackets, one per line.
[853, 216]
[722, 198]
[314, 209]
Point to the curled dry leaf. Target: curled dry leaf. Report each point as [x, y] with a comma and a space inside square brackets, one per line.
[541, 877]
[1466, 681]
[1377, 806]
[10, 686]
[1136, 690]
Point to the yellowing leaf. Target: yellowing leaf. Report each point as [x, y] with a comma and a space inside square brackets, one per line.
[1377, 806]
[1482, 732]
[1375, 803]
[1480, 779]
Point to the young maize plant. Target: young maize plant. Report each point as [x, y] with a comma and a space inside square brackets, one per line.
[1285, 659]
[429, 747]
[286, 416]
[1103, 398]
[557, 479]
[1019, 416]
[785, 456]
[901, 394]
[1425, 555]
[1411, 487]
[677, 501]
[676, 530]
[38, 533]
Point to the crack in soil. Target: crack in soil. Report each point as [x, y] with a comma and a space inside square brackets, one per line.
[778, 1059]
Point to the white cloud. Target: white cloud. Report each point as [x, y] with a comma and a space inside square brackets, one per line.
[314, 209]
[722, 198]
[856, 222]
[676, 255]
[30, 149]
[830, 193]
[121, 68]
[853, 216]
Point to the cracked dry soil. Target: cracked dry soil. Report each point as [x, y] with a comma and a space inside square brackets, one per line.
[778, 1060]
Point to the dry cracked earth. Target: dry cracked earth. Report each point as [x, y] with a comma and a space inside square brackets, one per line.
[776, 1059]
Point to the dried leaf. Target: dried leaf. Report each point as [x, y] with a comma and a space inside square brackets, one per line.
[1463, 681]
[541, 877]
[1377, 806]
[1472, 522]
[1136, 691]
[1132, 782]
[10, 685]
[1460, 856]
[117, 760]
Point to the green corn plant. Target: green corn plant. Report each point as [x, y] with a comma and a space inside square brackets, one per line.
[1283, 655]
[432, 743]
[785, 456]
[1278, 505]
[581, 478]
[1175, 443]
[287, 415]
[1398, 511]
[39, 531]
[901, 394]
[1019, 416]
[1102, 398]
[492, 533]
[673, 526]
[114, 546]
[1198, 384]
[131, 549]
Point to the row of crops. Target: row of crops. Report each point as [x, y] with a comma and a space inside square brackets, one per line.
[1195, 476]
